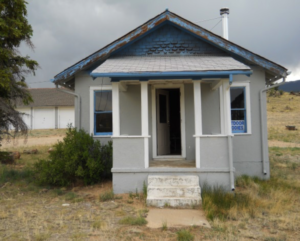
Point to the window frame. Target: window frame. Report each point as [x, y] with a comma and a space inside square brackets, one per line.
[247, 107]
[93, 90]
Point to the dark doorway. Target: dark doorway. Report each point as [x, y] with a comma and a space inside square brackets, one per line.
[168, 122]
[175, 130]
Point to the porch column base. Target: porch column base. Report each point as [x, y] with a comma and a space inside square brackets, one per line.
[197, 148]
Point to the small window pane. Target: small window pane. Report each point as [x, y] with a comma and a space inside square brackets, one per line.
[104, 122]
[103, 101]
[237, 97]
[237, 115]
[162, 109]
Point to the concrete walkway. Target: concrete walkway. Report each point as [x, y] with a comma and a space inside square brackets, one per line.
[176, 218]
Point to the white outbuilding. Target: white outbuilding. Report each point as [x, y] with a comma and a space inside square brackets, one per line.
[50, 109]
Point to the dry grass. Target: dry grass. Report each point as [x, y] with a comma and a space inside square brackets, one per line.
[37, 213]
[46, 133]
[283, 111]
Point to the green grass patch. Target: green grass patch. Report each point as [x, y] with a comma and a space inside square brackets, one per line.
[134, 221]
[184, 235]
[8, 174]
[217, 202]
[279, 151]
[107, 196]
[164, 226]
[145, 190]
[70, 196]
[97, 224]
[281, 134]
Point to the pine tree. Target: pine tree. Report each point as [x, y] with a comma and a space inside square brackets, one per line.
[14, 29]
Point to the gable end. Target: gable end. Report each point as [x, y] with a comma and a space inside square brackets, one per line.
[169, 40]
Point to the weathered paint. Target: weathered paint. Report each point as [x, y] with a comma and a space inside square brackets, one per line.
[167, 16]
[169, 40]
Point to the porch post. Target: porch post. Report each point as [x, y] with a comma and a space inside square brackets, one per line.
[228, 129]
[226, 107]
[198, 119]
[116, 109]
[145, 119]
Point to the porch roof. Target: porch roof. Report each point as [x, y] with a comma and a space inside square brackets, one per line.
[170, 66]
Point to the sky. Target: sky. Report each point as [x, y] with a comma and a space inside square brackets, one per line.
[66, 31]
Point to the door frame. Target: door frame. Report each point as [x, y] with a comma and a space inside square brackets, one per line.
[182, 116]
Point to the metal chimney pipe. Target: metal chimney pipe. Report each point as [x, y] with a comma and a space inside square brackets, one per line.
[224, 12]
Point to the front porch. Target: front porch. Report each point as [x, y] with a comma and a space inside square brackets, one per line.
[208, 156]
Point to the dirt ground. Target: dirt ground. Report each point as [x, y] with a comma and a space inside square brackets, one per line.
[273, 143]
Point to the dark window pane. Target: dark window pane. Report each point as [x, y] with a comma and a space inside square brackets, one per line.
[237, 97]
[237, 115]
[162, 109]
[104, 122]
[103, 101]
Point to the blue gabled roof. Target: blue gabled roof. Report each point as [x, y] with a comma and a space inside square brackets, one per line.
[170, 18]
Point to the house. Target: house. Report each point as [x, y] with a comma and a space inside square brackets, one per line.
[50, 109]
[175, 99]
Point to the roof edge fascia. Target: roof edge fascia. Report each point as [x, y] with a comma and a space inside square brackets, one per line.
[175, 74]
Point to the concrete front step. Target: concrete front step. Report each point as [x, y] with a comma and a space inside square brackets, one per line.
[173, 202]
[173, 191]
[156, 180]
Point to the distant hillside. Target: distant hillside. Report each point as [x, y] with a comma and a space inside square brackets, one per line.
[291, 86]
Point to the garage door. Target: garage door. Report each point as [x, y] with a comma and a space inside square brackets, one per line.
[26, 116]
[44, 118]
[65, 117]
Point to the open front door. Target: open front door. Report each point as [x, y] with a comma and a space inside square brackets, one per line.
[163, 123]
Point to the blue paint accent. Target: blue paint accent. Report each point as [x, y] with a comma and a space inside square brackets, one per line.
[117, 79]
[150, 75]
[197, 31]
[230, 79]
[103, 134]
[170, 40]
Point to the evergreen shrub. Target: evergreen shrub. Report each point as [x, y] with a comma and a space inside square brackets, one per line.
[77, 158]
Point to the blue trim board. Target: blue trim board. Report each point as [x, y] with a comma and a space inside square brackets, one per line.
[144, 76]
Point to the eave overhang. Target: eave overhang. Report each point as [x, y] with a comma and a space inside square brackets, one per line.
[167, 16]
[145, 76]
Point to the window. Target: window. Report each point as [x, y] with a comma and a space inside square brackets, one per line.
[101, 111]
[240, 108]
